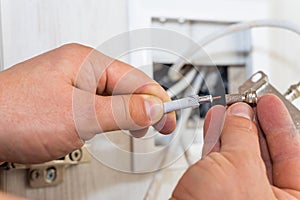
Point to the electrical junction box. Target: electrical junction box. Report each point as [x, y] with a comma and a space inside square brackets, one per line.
[235, 55]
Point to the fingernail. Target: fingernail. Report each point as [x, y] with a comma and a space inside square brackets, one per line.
[139, 133]
[154, 109]
[241, 110]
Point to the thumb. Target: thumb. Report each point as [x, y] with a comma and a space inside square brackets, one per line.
[129, 112]
[239, 133]
[120, 112]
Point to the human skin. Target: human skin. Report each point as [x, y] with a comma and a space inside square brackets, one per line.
[234, 165]
[52, 102]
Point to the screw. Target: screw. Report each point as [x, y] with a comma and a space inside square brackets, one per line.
[76, 155]
[50, 174]
[35, 174]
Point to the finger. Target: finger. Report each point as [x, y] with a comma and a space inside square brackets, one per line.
[127, 80]
[94, 114]
[239, 134]
[117, 78]
[283, 141]
[139, 133]
[166, 124]
[265, 155]
[212, 129]
[10, 197]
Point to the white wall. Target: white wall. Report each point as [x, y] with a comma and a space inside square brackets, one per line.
[32, 27]
[285, 46]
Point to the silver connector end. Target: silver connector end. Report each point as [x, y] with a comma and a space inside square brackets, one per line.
[293, 92]
[248, 97]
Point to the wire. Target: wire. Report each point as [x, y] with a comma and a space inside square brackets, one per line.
[174, 70]
[182, 84]
[194, 89]
[174, 74]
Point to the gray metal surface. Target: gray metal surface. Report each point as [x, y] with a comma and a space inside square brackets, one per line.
[259, 82]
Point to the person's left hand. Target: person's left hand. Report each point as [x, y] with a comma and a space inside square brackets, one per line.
[52, 102]
[234, 165]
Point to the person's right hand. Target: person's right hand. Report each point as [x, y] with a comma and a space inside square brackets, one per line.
[237, 165]
[50, 103]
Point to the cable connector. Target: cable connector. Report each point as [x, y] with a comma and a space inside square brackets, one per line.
[249, 97]
[293, 92]
[188, 102]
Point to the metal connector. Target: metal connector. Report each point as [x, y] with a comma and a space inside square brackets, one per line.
[293, 92]
[249, 97]
[194, 101]
[259, 82]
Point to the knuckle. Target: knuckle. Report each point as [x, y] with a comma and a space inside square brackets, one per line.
[74, 50]
[242, 125]
[71, 46]
[72, 55]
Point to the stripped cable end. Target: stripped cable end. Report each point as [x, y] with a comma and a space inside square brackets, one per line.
[207, 99]
[217, 97]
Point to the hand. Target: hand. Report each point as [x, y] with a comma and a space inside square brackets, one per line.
[52, 102]
[235, 167]
[6, 196]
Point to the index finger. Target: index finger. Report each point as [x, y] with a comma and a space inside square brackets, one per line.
[283, 141]
[212, 128]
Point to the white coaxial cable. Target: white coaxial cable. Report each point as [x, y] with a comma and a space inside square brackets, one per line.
[174, 70]
[182, 84]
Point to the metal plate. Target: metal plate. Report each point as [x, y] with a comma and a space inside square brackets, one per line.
[260, 83]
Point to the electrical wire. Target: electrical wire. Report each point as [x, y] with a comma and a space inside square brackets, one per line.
[182, 83]
[194, 89]
[174, 70]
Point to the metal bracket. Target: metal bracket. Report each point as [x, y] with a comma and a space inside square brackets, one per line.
[51, 173]
[259, 82]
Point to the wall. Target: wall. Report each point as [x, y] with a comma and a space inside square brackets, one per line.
[34, 26]
[285, 46]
